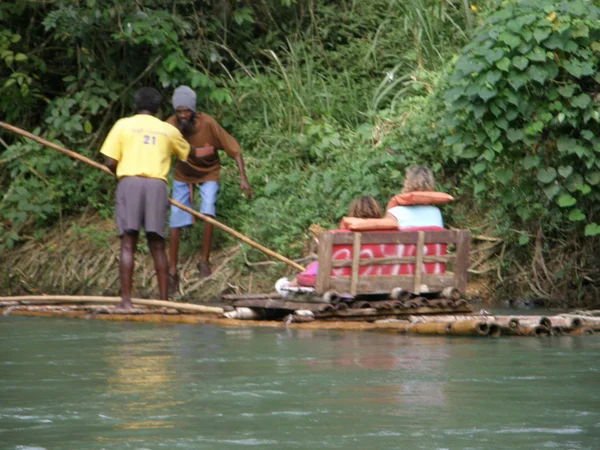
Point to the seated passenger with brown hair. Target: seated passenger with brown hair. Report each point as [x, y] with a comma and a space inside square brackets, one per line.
[365, 207]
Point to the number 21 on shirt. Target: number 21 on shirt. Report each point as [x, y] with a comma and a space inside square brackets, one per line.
[149, 140]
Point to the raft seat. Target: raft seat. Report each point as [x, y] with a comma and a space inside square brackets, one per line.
[415, 260]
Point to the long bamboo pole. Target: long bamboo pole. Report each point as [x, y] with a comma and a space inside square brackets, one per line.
[62, 299]
[102, 167]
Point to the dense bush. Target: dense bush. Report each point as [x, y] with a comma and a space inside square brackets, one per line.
[523, 121]
[523, 112]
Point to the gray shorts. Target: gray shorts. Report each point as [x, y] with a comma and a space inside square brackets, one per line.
[141, 202]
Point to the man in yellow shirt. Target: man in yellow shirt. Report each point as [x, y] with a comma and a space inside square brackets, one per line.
[139, 149]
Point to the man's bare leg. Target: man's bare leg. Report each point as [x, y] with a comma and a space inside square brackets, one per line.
[126, 264]
[174, 236]
[204, 266]
[157, 248]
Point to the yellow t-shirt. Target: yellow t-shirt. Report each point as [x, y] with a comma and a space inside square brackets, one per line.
[142, 145]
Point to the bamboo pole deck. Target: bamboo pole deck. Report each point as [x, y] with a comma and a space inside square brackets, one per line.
[68, 299]
[445, 324]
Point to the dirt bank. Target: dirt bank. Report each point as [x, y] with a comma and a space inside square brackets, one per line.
[82, 256]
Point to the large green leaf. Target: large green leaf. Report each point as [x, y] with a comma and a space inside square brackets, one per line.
[584, 189]
[493, 76]
[503, 64]
[593, 177]
[592, 229]
[576, 215]
[565, 171]
[479, 168]
[510, 39]
[538, 54]
[552, 190]
[502, 123]
[581, 101]
[566, 200]
[514, 135]
[488, 155]
[574, 182]
[541, 33]
[487, 94]
[581, 30]
[504, 176]
[494, 55]
[565, 144]
[529, 162]
[567, 90]
[479, 187]
[517, 80]
[537, 73]
[546, 175]
[493, 133]
[520, 62]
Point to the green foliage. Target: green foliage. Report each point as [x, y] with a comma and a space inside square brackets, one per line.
[302, 75]
[329, 100]
[522, 113]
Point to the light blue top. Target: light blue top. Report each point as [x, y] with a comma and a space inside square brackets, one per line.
[417, 216]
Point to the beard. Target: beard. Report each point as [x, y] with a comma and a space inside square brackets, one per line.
[186, 126]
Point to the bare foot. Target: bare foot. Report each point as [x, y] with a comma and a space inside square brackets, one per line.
[124, 306]
[204, 269]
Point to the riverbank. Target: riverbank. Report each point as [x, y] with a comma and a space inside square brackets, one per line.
[80, 257]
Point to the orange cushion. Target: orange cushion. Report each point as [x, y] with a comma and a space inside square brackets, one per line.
[419, 198]
[356, 224]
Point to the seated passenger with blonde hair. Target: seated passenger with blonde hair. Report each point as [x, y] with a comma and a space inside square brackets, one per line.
[417, 212]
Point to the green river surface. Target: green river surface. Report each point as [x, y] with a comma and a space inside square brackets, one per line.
[85, 384]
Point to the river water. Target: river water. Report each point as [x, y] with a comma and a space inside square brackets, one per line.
[76, 384]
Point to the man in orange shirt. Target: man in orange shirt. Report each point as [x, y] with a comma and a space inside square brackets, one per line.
[206, 137]
[138, 150]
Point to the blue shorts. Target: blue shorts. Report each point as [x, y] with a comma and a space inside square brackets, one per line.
[181, 194]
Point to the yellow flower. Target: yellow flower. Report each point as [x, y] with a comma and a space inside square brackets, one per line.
[551, 17]
[474, 8]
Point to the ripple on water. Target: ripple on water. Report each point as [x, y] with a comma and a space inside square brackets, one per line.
[249, 442]
[290, 413]
[569, 444]
[37, 419]
[566, 430]
[468, 432]
[383, 433]
[528, 378]
[237, 393]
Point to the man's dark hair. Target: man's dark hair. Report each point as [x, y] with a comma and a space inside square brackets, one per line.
[147, 99]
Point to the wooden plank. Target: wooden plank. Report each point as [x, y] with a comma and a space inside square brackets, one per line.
[445, 259]
[395, 237]
[273, 295]
[292, 297]
[355, 261]
[367, 312]
[280, 304]
[419, 263]
[325, 254]
[461, 265]
[385, 284]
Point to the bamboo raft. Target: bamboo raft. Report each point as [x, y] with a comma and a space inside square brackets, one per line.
[275, 312]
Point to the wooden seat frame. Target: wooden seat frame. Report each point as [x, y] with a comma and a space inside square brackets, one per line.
[414, 283]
